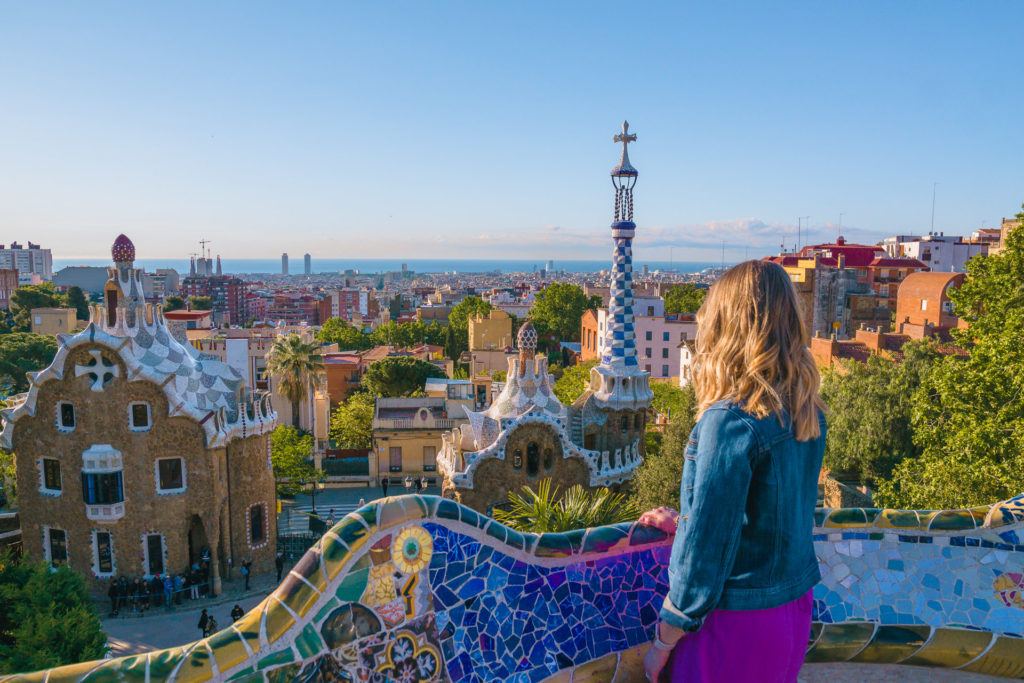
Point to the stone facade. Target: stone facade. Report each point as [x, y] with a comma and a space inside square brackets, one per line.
[131, 444]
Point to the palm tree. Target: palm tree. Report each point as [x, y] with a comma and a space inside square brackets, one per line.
[544, 511]
[295, 366]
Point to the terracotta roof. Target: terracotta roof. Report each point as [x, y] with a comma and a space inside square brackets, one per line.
[187, 315]
[898, 262]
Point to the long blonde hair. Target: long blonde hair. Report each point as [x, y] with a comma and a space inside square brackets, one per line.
[752, 348]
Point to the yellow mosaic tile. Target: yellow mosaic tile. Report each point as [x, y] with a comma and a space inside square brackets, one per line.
[950, 648]
[398, 511]
[631, 665]
[278, 620]
[197, 667]
[600, 670]
[72, 672]
[228, 649]
[840, 642]
[892, 644]
[1004, 658]
[249, 626]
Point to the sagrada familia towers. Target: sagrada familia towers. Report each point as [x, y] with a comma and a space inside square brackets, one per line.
[527, 434]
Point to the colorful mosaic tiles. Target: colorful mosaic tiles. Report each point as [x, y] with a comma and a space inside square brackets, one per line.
[417, 588]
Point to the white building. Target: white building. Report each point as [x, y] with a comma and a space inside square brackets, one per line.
[687, 352]
[29, 262]
[941, 252]
[657, 337]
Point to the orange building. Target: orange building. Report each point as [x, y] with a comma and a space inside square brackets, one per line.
[342, 370]
[923, 307]
[588, 336]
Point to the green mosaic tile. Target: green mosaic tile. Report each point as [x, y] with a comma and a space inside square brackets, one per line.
[115, 670]
[278, 620]
[815, 633]
[897, 519]
[247, 675]
[163, 662]
[325, 610]
[285, 674]
[892, 644]
[643, 534]
[333, 553]
[427, 505]
[368, 514]
[309, 568]
[308, 642]
[447, 509]
[819, 516]
[298, 595]
[497, 531]
[398, 511]
[471, 517]
[951, 648]
[952, 520]
[280, 657]
[352, 532]
[515, 539]
[839, 642]
[352, 586]
[249, 626]
[553, 545]
[606, 539]
[847, 517]
[228, 649]
[871, 514]
[197, 667]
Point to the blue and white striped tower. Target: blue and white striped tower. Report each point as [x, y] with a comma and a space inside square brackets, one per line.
[618, 379]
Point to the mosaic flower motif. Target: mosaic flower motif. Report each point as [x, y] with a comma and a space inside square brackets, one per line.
[412, 549]
[1009, 588]
[407, 664]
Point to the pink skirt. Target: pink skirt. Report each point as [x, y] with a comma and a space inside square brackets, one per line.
[764, 645]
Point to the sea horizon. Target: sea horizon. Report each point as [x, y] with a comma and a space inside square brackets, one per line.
[272, 266]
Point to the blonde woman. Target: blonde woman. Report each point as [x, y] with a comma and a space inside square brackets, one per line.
[742, 566]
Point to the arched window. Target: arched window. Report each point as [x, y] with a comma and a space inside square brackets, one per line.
[532, 459]
[549, 459]
[517, 459]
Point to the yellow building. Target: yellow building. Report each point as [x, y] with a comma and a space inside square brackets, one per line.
[53, 321]
[407, 436]
[490, 333]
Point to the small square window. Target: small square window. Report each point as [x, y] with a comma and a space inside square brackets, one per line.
[664, 353]
[51, 474]
[648, 335]
[647, 352]
[664, 371]
[66, 415]
[170, 473]
[138, 417]
[665, 336]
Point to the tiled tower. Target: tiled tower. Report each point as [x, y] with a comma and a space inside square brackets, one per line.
[617, 382]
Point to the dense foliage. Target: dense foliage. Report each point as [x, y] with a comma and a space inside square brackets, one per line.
[352, 422]
[76, 299]
[544, 510]
[869, 420]
[399, 376]
[174, 303]
[290, 455]
[968, 415]
[456, 339]
[46, 617]
[348, 337]
[657, 480]
[557, 310]
[24, 299]
[573, 381]
[200, 303]
[684, 298]
[21, 353]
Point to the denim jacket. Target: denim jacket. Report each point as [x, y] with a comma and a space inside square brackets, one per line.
[746, 516]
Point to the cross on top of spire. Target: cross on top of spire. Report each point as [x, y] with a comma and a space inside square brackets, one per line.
[624, 168]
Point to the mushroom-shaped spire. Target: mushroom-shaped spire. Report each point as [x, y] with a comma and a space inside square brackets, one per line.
[526, 340]
[123, 250]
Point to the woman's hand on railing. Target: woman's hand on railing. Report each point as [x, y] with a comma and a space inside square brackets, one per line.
[663, 518]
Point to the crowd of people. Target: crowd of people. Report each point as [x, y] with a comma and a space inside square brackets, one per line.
[135, 596]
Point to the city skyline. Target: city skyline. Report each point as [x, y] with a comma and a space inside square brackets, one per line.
[368, 133]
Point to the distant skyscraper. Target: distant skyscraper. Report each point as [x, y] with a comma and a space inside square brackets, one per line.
[33, 261]
[307, 264]
[550, 267]
[284, 263]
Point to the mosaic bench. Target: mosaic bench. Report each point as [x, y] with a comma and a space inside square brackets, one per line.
[418, 588]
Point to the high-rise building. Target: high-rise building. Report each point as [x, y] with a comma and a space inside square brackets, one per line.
[34, 264]
[284, 264]
[307, 264]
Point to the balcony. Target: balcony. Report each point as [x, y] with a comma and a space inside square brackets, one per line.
[105, 513]
[432, 423]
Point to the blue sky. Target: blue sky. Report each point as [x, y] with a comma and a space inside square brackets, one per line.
[483, 129]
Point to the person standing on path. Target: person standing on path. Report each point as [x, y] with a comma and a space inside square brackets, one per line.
[168, 591]
[279, 565]
[236, 613]
[211, 626]
[384, 483]
[246, 571]
[204, 620]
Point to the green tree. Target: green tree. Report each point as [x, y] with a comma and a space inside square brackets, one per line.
[544, 511]
[399, 376]
[46, 617]
[200, 303]
[8, 480]
[968, 416]
[24, 299]
[455, 343]
[77, 300]
[174, 303]
[558, 308]
[352, 422]
[684, 298]
[869, 420]
[347, 336]
[657, 480]
[291, 452]
[573, 381]
[294, 366]
[21, 353]
[457, 335]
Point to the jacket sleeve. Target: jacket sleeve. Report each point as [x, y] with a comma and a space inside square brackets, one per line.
[711, 535]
